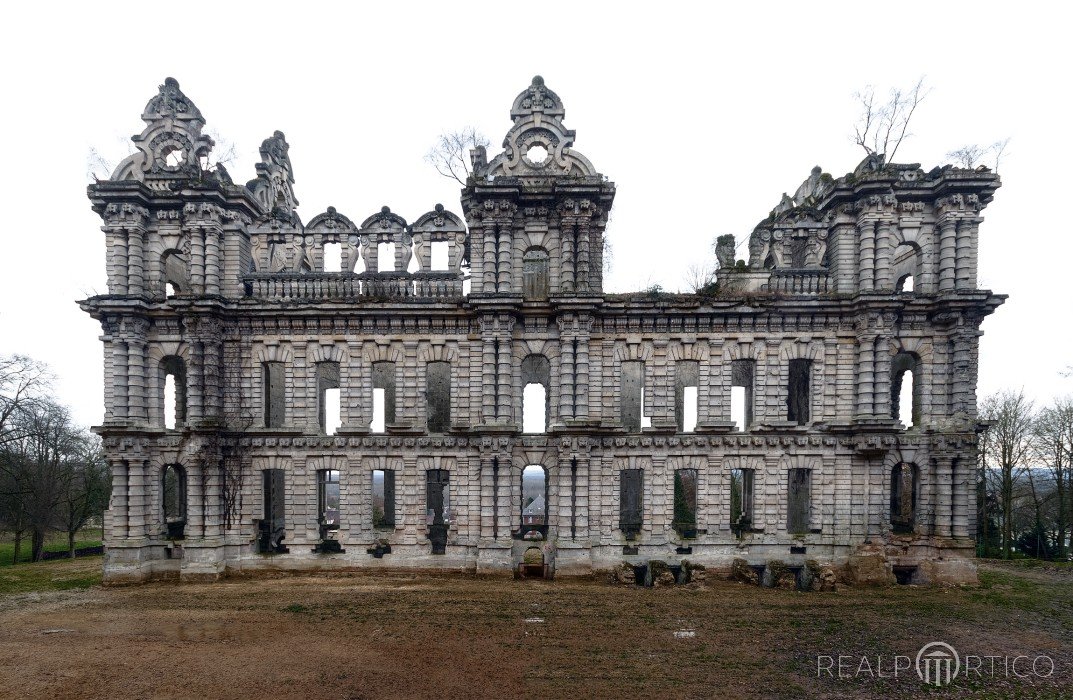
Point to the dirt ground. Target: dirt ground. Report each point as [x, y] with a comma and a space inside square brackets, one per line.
[365, 636]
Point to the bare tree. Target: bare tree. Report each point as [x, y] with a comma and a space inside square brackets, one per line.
[1053, 450]
[971, 155]
[698, 276]
[882, 126]
[1008, 449]
[22, 381]
[85, 488]
[450, 154]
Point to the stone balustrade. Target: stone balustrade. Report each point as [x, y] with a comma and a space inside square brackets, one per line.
[315, 286]
[798, 281]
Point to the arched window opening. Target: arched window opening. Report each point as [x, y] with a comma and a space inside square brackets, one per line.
[173, 391]
[536, 380]
[903, 497]
[173, 500]
[438, 396]
[906, 389]
[383, 396]
[534, 502]
[741, 393]
[328, 400]
[175, 273]
[333, 257]
[535, 283]
[906, 266]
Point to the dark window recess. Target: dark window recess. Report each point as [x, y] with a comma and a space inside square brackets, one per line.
[741, 499]
[173, 499]
[741, 374]
[438, 396]
[273, 528]
[630, 501]
[798, 501]
[685, 502]
[327, 378]
[798, 252]
[384, 499]
[633, 373]
[437, 508]
[272, 375]
[686, 373]
[797, 397]
[903, 497]
[535, 274]
[384, 378]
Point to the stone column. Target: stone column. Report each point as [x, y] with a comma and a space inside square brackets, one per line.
[566, 374]
[194, 395]
[865, 376]
[137, 410]
[947, 253]
[660, 488]
[963, 384]
[959, 493]
[581, 371]
[845, 241]
[120, 357]
[213, 255]
[118, 256]
[136, 261]
[882, 377]
[139, 499]
[883, 277]
[866, 268]
[942, 498]
[504, 277]
[491, 261]
[488, 379]
[965, 255]
[197, 258]
[117, 515]
[567, 273]
[582, 271]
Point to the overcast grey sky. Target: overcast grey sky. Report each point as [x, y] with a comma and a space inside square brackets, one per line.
[702, 115]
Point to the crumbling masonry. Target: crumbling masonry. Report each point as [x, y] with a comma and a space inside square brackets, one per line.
[756, 420]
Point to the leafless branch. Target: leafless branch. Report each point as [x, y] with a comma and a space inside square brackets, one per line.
[881, 128]
[450, 155]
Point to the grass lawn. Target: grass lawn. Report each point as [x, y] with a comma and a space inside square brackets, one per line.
[54, 542]
[374, 635]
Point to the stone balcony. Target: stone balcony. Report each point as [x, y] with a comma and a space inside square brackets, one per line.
[798, 281]
[322, 286]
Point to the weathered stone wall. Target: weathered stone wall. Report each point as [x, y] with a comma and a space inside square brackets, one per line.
[225, 289]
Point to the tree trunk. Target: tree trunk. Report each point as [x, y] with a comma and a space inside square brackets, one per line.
[37, 544]
[18, 547]
[71, 542]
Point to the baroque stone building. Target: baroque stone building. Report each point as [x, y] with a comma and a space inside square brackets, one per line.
[460, 393]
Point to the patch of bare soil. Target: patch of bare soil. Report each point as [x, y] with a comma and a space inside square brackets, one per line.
[367, 636]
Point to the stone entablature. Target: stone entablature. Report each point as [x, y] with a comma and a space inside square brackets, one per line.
[433, 332]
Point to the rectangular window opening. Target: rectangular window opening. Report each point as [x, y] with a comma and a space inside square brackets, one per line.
[331, 411]
[273, 389]
[632, 395]
[273, 528]
[328, 501]
[797, 396]
[690, 400]
[630, 501]
[439, 256]
[333, 257]
[328, 380]
[438, 396]
[534, 409]
[384, 499]
[385, 257]
[685, 502]
[798, 501]
[378, 425]
[383, 396]
[741, 499]
[686, 395]
[741, 393]
[170, 403]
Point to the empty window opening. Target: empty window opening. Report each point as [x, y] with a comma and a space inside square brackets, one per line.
[797, 396]
[905, 389]
[438, 396]
[272, 374]
[905, 284]
[686, 395]
[175, 273]
[383, 396]
[173, 391]
[905, 266]
[169, 402]
[630, 514]
[535, 284]
[173, 500]
[385, 257]
[534, 499]
[798, 501]
[378, 423]
[741, 500]
[798, 252]
[741, 402]
[328, 397]
[384, 499]
[903, 497]
[632, 395]
[467, 285]
[437, 508]
[685, 502]
[333, 257]
[170, 290]
[536, 407]
[272, 529]
[440, 258]
[573, 498]
[328, 502]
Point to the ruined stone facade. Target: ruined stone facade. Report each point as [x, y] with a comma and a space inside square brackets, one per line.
[221, 291]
